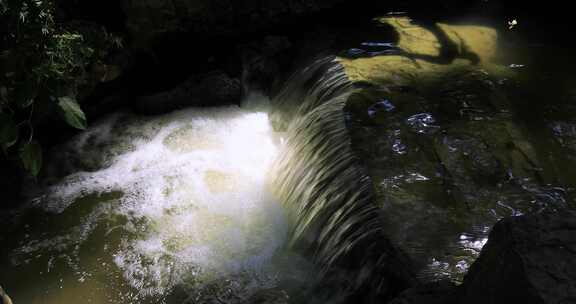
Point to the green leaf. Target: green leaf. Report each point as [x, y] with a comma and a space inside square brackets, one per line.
[31, 156]
[8, 131]
[72, 112]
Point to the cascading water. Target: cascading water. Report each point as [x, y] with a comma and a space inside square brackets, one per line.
[177, 209]
[170, 209]
[206, 205]
[327, 194]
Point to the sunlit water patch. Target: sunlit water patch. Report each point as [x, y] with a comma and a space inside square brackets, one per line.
[162, 205]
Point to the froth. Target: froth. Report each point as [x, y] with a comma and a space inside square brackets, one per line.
[194, 191]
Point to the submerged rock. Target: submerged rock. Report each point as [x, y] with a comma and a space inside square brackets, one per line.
[528, 259]
[445, 169]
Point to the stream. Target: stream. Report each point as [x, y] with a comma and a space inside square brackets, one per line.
[368, 171]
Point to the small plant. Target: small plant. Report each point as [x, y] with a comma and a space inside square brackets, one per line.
[43, 65]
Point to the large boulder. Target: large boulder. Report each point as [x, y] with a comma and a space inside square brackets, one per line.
[528, 259]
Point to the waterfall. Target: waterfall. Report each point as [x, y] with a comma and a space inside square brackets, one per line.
[138, 209]
[327, 195]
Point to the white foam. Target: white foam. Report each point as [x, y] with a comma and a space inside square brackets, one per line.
[196, 178]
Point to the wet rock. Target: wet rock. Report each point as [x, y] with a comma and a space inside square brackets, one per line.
[565, 134]
[448, 158]
[469, 160]
[211, 89]
[528, 259]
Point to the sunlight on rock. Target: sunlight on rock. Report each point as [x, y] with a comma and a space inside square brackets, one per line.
[480, 41]
[413, 38]
[399, 70]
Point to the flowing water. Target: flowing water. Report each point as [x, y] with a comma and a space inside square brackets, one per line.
[409, 154]
[345, 188]
[152, 207]
[452, 152]
[328, 195]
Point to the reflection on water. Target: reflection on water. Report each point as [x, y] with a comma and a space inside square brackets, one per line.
[152, 210]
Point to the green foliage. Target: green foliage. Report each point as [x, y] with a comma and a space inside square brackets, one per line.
[44, 64]
[66, 57]
[72, 113]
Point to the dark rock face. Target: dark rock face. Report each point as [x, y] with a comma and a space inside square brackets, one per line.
[148, 18]
[262, 62]
[441, 292]
[211, 89]
[10, 184]
[528, 259]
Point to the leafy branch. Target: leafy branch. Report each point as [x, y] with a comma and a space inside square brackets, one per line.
[44, 63]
